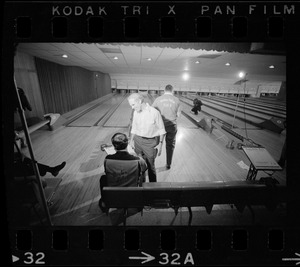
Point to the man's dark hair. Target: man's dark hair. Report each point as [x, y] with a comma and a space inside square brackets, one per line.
[119, 141]
[169, 88]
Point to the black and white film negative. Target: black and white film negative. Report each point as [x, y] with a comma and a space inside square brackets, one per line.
[73, 58]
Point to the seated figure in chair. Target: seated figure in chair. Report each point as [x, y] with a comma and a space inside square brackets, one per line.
[121, 168]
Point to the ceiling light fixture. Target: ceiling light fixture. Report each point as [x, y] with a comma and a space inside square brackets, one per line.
[271, 67]
[185, 76]
[197, 62]
[149, 59]
[227, 64]
[65, 56]
[241, 74]
[116, 58]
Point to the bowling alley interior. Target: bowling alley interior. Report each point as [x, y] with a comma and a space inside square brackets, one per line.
[229, 164]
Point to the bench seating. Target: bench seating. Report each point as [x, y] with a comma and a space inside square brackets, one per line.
[195, 194]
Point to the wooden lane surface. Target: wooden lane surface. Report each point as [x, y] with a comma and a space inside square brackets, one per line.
[255, 103]
[183, 122]
[70, 115]
[272, 141]
[252, 102]
[241, 114]
[80, 148]
[121, 116]
[242, 106]
[91, 117]
[212, 113]
[265, 102]
[246, 130]
[201, 160]
[197, 157]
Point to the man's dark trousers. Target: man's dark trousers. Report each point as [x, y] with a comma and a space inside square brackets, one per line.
[170, 141]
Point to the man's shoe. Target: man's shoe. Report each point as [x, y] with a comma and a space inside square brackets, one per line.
[55, 170]
[168, 167]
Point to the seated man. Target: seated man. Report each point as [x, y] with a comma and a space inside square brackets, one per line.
[121, 168]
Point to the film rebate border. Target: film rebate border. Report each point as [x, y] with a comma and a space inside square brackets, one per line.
[165, 21]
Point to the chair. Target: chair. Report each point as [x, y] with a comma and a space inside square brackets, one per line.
[121, 173]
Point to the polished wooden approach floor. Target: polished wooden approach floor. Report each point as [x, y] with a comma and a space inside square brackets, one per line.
[198, 156]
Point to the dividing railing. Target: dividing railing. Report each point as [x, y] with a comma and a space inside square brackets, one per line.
[196, 194]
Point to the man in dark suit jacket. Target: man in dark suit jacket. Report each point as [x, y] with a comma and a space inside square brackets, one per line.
[121, 168]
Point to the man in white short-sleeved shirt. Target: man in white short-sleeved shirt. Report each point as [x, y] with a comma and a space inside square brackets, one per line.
[147, 132]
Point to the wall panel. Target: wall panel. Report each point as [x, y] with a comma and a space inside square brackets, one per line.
[65, 88]
[103, 84]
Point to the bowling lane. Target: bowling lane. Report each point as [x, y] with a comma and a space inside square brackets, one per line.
[197, 157]
[120, 117]
[261, 102]
[242, 107]
[230, 110]
[93, 116]
[183, 122]
[273, 110]
[219, 114]
[273, 142]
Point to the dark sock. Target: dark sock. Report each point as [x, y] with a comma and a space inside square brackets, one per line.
[42, 172]
[55, 170]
